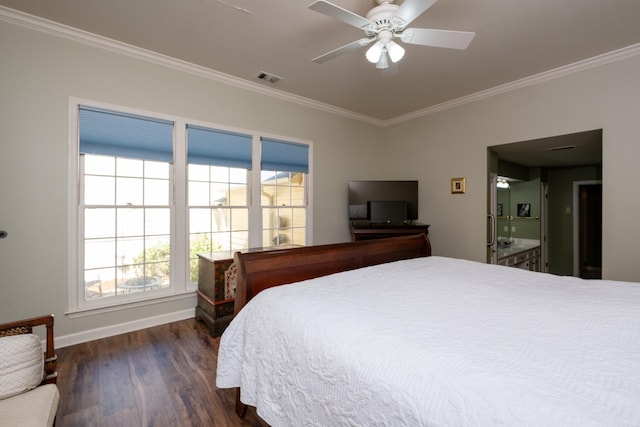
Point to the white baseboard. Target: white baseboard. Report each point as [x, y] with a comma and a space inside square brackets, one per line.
[121, 328]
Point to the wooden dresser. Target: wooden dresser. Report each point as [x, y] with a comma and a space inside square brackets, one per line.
[213, 309]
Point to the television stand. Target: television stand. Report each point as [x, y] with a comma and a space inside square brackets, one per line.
[365, 230]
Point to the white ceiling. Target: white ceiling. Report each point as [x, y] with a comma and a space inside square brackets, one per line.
[514, 39]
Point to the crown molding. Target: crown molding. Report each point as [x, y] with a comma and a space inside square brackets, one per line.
[94, 40]
[596, 61]
[77, 35]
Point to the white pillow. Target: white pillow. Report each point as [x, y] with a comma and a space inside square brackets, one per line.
[21, 364]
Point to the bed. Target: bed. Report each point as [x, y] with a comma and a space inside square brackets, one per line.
[372, 333]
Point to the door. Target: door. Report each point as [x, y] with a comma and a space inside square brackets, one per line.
[587, 229]
[590, 231]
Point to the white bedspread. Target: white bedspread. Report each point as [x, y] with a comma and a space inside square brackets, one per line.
[439, 342]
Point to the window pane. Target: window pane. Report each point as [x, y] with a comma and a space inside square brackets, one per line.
[198, 193]
[130, 222]
[238, 176]
[269, 217]
[99, 165]
[157, 221]
[99, 253]
[219, 174]
[99, 223]
[199, 220]
[283, 195]
[299, 236]
[159, 170]
[240, 219]
[219, 194]
[220, 219]
[221, 241]
[99, 283]
[157, 248]
[238, 195]
[198, 172]
[129, 191]
[199, 243]
[280, 192]
[156, 192]
[299, 216]
[129, 252]
[239, 240]
[275, 238]
[129, 167]
[99, 190]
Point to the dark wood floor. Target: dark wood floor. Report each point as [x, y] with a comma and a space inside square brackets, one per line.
[161, 376]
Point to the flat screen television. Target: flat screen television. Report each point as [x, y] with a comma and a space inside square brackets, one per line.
[387, 210]
[383, 193]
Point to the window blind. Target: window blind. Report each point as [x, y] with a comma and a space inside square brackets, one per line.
[218, 148]
[284, 156]
[125, 135]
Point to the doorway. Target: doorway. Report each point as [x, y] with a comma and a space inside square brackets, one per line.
[560, 163]
[587, 229]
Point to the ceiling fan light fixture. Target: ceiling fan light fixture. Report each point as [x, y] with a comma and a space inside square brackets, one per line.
[374, 52]
[396, 52]
[384, 60]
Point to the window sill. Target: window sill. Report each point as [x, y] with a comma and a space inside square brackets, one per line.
[90, 311]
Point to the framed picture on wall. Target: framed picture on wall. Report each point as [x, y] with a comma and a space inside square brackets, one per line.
[499, 210]
[458, 185]
[524, 209]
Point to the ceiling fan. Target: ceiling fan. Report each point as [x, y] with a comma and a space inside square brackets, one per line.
[386, 23]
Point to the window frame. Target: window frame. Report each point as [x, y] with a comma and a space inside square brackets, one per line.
[180, 286]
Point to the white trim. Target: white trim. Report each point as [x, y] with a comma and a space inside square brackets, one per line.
[576, 240]
[84, 37]
[121, 328]
[90, 39]
[586, 64]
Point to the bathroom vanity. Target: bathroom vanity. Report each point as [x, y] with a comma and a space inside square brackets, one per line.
[521, 253]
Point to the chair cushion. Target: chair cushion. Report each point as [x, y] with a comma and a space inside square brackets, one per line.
[21, 364]
[37, 407]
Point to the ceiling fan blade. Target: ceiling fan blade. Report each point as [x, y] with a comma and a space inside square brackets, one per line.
[411, 9]
[437, 38]
[341, 50]
[340, 13]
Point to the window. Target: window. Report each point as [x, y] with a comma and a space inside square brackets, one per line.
[283, 189]
[125, 203]
[154, 192]
[219, 165]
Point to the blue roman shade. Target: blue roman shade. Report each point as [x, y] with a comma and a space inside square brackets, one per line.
[218, 148]
[125, 135]
[284, 156]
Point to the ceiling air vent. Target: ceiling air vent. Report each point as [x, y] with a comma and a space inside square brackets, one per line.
[271, 78]
[562, 148]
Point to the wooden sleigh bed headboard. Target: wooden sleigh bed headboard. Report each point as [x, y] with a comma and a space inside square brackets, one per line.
[258, 271]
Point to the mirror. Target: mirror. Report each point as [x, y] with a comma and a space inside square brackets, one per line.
[518, 210]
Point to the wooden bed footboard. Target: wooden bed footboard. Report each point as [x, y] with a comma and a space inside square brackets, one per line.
[258, 271]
